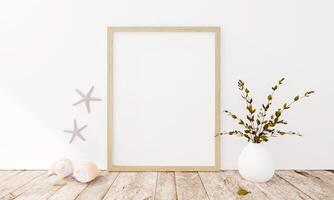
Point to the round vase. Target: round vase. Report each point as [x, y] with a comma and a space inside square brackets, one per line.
[255, 163]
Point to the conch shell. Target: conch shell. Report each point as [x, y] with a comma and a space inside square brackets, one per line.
[85, 172]
[62, 168]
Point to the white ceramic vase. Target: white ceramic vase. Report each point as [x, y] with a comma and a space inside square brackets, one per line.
[255, 163]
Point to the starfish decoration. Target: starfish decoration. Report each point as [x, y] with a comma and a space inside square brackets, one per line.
[86, 98]
[76, 131]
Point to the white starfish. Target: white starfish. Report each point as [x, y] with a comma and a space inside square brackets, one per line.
[86, 98]
[76, 131]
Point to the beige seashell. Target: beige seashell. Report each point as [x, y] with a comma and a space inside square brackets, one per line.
[59, 181]
[61, 168]
[85, 172]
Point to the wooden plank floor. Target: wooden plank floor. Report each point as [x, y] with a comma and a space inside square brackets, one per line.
[285, 185]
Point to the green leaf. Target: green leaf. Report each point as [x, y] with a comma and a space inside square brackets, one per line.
[249, 108]
[241, 122]
[282, 122]
[289, 133]
[270, 130]
[241, 84]
[247, 90]
[231, 132]
[281, 81]
[308, 93]
[234, 116]
[285, 106]
[270, 97]
[247, 137]
[282, 132]
[242, 192]
[258, 122]
[274, 88]
[264, 138]
[253, 110]
[264, 107]
[296, 98]
[250, 118]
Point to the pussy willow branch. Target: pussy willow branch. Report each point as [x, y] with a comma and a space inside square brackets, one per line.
[235, 117]
[245, 96]
[265, 124]
[264, 114]
[288, 105]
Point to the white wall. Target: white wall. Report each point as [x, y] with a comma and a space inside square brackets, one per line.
[48, 48]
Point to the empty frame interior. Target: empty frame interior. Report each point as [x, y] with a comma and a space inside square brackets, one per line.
[163, 106]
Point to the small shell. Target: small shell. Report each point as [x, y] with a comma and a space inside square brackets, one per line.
[52, 168]
[85, 172]
[63, 168]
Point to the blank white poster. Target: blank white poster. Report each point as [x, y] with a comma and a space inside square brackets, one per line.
[163, 99]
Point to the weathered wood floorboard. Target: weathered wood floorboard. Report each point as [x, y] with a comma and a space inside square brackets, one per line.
[165, 188]
[235, 182]
[40, 188]
[98, 188]
[5, 175]
[287, 185]
[310, 185]
[216, 186]
[14, 194]
[326, 176]
[70, 190]
[278, 189]
[134, 186]
[189, 186]
[17, 181]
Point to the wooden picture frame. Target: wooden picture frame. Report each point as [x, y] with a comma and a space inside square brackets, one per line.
[217, 141]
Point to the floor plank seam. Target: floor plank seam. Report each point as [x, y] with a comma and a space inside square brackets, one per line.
[228, 182]
[14, 189]
[267, 194]
[329, 184]
[206, 192]
[105, 194]
[294, 186]
[92, 182]
[156, 185]
[302, 173]
[177, 196]
[26, 184]
[81, 191]
[55, 192]
[12, 176]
